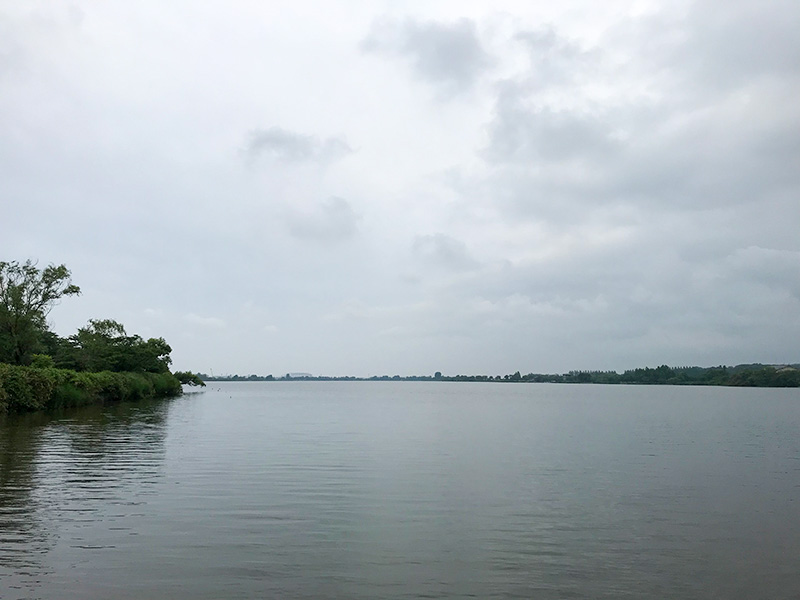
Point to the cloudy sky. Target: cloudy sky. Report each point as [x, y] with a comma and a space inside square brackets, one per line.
[366, 187]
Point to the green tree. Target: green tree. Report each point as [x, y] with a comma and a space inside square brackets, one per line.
[27, 294]
[189, 378]
[103, 345]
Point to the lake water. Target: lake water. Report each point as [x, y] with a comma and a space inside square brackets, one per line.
[366, 490]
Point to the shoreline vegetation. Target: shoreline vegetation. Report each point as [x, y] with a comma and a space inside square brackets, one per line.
[100, 363]
[746, 375]
[25, 389]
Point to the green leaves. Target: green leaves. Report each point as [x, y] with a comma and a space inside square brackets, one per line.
[103, 345]
[189, 378]
[27, 294]
[103, 363]
[24, 389]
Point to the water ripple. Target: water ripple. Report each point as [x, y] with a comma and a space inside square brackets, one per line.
[406, 491]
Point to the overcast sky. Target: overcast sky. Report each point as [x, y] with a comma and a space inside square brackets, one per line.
[375, 188]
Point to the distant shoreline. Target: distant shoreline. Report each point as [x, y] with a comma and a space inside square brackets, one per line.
[745, 375]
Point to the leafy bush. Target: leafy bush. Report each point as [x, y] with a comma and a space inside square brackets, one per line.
[42, 361]
[25, 389]
[68, 395]
[164, 384]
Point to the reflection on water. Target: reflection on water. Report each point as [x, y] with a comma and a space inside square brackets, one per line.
[407, 490]
[21, 536]
[69, 481]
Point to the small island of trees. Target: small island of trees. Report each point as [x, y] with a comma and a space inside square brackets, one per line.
[101, 362]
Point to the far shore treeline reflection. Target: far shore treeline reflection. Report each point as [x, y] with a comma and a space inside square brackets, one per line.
[748, 375]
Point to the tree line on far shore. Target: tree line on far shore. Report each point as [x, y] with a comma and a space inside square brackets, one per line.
[749, 375]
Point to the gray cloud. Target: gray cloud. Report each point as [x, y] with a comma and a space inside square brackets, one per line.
[778, 270]
[448, 54]
[604, 303]
[519, 134]
[554, 59]
[527, 127]
[443, 251]
[692, 134]
[332, 220]
[749, 42]
[279, 144]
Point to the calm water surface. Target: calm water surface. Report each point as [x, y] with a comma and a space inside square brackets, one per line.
[407, 490]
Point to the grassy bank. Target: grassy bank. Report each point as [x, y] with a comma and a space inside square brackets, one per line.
[24, 389]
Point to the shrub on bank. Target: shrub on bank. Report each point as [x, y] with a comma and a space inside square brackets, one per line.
[24, 389]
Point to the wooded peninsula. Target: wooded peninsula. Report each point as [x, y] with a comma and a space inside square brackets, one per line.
[99, 363]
